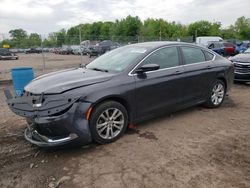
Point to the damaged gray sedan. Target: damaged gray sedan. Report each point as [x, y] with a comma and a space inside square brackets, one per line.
[125, 86]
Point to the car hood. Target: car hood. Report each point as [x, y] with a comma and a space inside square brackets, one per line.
[61, 81]
[244, 58]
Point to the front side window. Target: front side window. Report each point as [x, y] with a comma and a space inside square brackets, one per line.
[166, 58]
[192, 55]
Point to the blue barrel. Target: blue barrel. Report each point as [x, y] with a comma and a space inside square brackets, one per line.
[21, 76]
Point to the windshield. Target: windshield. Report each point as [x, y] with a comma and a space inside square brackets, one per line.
[247, 50]
[117, 60]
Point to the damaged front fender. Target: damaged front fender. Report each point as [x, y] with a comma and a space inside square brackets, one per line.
[40, 105]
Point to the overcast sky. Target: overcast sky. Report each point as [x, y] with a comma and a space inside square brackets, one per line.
[44, 16]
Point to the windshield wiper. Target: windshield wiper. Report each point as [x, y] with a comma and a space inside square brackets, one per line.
[98, 69]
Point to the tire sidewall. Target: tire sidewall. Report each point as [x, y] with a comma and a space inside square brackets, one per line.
[97, 111]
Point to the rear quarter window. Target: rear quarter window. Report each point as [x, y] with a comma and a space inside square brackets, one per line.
[209, 56]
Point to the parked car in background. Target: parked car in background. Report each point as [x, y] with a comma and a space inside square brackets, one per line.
[242, 66]
[79, 51]
[33, 50]
[45, 49]
[125, 86]
[65, 51]
[204, 41]
[76, 51]
[107, 45]
[93, 51]
[5, 54]
[222, 48]
[242, 46]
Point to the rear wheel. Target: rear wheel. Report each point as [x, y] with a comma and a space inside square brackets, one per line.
[216, 94]
[108, 122]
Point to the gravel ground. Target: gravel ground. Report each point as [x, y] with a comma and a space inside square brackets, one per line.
[194, 148]
[53, 62]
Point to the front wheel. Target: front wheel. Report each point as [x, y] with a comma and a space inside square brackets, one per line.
[108, 122]
[216, 94]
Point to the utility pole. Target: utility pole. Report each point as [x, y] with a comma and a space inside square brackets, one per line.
[160, 31]
[42, 53]
[195, 35]
[80, 37]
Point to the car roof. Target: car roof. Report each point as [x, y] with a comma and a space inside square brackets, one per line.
[157, 44]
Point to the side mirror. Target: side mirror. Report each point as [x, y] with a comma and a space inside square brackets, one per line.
[147, 67]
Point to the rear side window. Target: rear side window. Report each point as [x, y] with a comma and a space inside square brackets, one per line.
[166, 58]
[192, 55]
[209, 56]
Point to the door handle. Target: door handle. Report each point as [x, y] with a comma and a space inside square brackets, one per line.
[209, 67]
[178, 72]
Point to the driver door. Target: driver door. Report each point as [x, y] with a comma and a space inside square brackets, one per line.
[163, 88]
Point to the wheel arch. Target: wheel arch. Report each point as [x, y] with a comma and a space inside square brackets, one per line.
[223, 79]
[118, 99]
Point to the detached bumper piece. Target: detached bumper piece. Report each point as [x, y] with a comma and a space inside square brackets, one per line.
[35, 138]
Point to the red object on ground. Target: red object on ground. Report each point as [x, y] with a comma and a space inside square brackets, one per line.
[131, 126]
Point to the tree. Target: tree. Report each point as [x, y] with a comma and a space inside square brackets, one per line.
[106, 30]
[18, 34]
[73, 35]
[131, 26]
[229, 33]
[242, 28]
[19, 37]
[60, 37]
[151, 28]
[204, 28]
[34, 40]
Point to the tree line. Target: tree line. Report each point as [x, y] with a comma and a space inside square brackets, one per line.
[130, 29]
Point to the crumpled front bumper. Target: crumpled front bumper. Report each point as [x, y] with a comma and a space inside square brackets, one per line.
[43, 141]
[58, 121]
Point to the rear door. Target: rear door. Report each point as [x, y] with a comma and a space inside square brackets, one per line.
[161, 89]
[199, 71]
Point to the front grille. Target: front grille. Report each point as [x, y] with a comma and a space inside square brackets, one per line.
[242, 68]
[55, 131]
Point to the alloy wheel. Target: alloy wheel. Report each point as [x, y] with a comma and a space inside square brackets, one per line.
[110, 123]
[217, 94]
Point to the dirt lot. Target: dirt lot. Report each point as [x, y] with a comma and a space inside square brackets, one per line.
[194, 148]
[53, 62]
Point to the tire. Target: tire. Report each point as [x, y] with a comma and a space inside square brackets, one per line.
[216, 94]
[104, 130]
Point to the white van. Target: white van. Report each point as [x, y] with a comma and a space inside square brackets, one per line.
[205, 40]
